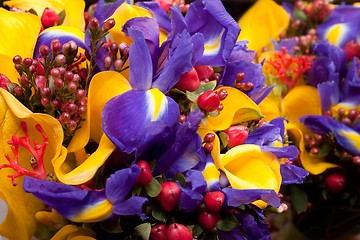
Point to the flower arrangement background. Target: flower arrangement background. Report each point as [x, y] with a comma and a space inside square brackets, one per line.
[159, 121]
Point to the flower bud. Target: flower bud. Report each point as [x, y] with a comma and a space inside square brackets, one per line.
[109, 24]
[209, 101]
[236, 135]
[94, 23]
[49, 18]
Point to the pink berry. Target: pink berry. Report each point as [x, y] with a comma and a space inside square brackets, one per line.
[169, 195]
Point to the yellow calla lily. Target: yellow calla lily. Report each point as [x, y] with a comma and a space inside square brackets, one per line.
[270, 20]
[104, 86]
[74, 9]
[22, 206]
[299, 102]
[246, 167]
[74, 232]
[238, 107]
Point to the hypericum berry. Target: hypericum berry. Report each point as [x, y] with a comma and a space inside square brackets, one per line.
[72, 87]
[60, 60]
[208, 147]
[208, 219]
[335, 182]
[17, 59]
[189, 81]
[18, 91]
[209, 138]
[236, 135]
[71, 125]
[3, 82]
[177, 231]
[55, 46]
[240, 76]
[118, 65]
[145, 176]
[169, 195]
[109, 24]
[204, 71]
[27, 62]
[216, 76]
[49, 18]
[214, 200]
[222, 94]
[159, 232]
[209, 101]
[94, 23]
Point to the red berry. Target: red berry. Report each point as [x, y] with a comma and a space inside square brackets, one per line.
[214, 200]
[177, 231]
[208, 219]
[159, 232]
[189, 81]
[335, 182]
[169, 195]
[204, 71]
[209, 101]
[145, 176]
[352, 49]
[49, 18]
[236, 135]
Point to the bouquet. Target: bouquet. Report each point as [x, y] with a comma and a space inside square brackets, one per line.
[137, 122]
[313, 63]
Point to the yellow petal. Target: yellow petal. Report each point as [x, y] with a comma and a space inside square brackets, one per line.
[74, 232]
[67, 172]
[301, 101]
[7, 68]
[238, 107]
[19, 32]
[314, 165]
[215, 153]
[269, 108]
[74, 14]
[53, 220]
[22, 206]
[121, 15]
[247, 167]
[266, 19]
[104, 86]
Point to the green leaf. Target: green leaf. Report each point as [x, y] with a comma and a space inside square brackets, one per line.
[194, 107]
[144, 230]
[299, 14]
[153, 189]
[62, 16]
[180, 178]
[136, 191]
[204, 87]
[227, 223]
[159, 214]
[299, 199]
[32, 11]
[214, 113]
[197, 230]
[112, 226]
[192, 96]
[223, 137]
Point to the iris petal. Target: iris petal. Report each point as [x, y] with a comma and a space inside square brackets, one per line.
[292, 174]
[131, 206]
[141, 70]
[236, 197]
[71, 202]
[219, 29]
[126, 116]
[63, 33]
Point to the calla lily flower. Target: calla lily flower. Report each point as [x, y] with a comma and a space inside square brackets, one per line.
[91, 205]
[341, 26]
[21, 207]
[75, 233]
[74, 9]
[261, 172]
[270, 20]
[15, 28]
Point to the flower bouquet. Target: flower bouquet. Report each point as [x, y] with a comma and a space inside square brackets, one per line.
[136, 122]
[313, 62]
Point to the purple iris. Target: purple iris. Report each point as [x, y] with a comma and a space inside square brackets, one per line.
[72, 202]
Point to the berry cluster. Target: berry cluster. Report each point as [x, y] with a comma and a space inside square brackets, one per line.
[54, 84]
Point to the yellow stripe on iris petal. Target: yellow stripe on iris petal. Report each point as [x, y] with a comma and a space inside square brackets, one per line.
[157, 103]
[353, 137]
[212, 47]
[95, 213]
[336, 33]
[65, 30]
[211, 173]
